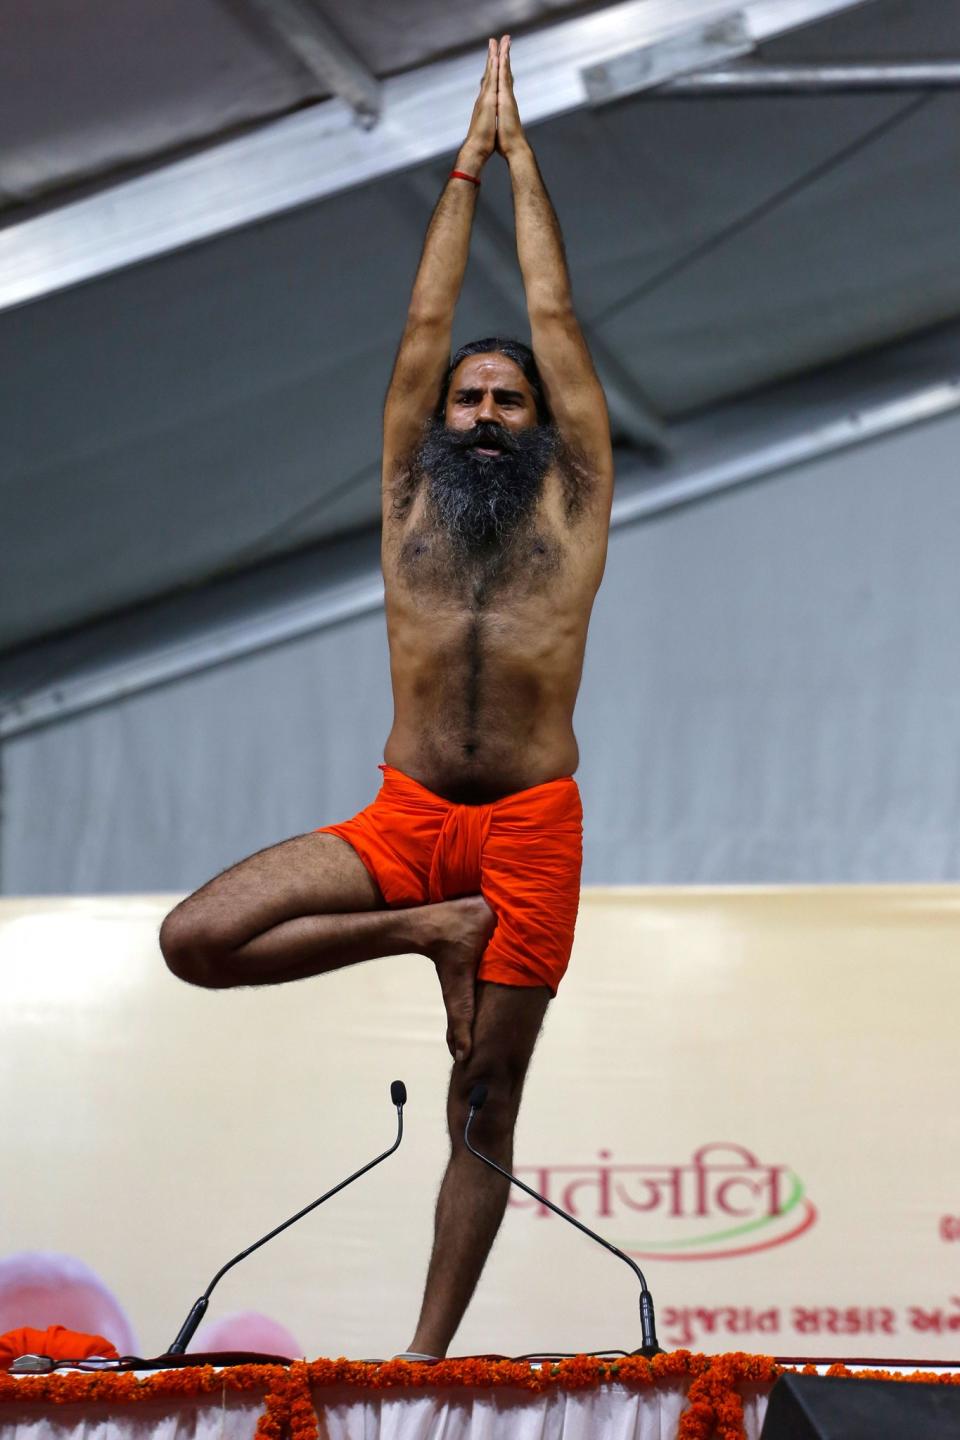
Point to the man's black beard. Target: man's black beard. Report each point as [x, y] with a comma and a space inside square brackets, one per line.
[480, 501]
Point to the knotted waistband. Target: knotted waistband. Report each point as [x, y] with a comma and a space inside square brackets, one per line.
[455, 866]
[456, 862]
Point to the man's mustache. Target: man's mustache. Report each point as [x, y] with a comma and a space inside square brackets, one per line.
[486, 434]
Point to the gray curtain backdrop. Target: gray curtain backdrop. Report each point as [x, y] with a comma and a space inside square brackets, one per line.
[771, 694]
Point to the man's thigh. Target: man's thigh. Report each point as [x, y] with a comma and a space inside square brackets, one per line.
[311, 874]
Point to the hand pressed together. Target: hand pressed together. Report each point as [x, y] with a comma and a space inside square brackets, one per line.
[510, 136]
[495, 122]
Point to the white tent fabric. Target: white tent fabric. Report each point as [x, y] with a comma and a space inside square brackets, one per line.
[218, 406]
[771, 694]
[771, 689]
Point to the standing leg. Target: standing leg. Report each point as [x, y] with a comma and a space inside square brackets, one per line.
[472, 1196]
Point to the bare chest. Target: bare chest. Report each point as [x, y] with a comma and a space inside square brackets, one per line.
[428, 568]
[425, 568]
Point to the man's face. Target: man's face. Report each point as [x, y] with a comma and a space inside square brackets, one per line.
[490, 390]
[486, 462]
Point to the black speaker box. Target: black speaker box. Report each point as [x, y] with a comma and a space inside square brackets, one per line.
[813, 1407]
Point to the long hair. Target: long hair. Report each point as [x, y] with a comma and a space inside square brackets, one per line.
[514, 350]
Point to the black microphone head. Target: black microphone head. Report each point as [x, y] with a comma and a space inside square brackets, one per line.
[398, 1093]
[478, 1096]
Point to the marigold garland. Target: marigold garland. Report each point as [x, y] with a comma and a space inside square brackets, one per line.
[714, 1404]
[274, 1422]
[714, 1410]
[127, 1388]
[302, 1416]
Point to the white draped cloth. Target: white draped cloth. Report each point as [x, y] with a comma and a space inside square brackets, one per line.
[610, 1411]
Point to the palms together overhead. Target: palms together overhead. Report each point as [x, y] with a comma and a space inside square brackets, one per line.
[495, 122]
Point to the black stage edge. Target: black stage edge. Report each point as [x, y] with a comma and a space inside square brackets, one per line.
[817, 1407]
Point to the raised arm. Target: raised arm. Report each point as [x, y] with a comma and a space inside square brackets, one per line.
[573, 392]
[425, 345]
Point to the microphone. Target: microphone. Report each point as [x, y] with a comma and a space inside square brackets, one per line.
[398, 1095]
[648, 1324]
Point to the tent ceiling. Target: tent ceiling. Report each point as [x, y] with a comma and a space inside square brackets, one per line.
[92, 87]
[219, 406]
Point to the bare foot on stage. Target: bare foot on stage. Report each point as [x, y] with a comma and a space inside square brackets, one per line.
[463, 929]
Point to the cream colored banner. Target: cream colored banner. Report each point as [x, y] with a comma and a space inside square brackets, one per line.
[751, 1091]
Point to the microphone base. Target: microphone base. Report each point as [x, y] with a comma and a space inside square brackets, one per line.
[648, 1351]
[175, 1360]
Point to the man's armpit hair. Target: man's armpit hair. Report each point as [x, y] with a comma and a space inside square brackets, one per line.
[577, 481]
[402, 489]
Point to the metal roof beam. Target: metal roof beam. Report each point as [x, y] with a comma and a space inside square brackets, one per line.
[321, 151]
[306, 31]
[750, 79]
[647, 67]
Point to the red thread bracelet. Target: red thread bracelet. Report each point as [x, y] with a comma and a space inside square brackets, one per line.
[462, 175]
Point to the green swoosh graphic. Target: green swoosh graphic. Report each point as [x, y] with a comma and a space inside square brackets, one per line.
[793, 1199]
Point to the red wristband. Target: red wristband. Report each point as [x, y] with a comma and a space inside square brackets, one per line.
[462, 175]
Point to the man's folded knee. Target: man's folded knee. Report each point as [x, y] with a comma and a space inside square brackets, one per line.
[192, 951]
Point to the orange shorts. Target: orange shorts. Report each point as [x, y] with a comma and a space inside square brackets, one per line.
[522, 853]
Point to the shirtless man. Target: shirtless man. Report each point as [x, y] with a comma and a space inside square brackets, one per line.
[497, 483]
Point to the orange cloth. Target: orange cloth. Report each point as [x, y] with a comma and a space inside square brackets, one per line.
[56, 1341]
[522, 853]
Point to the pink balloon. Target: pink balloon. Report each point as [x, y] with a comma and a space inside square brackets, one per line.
[40, 1288]
[247, 1330]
